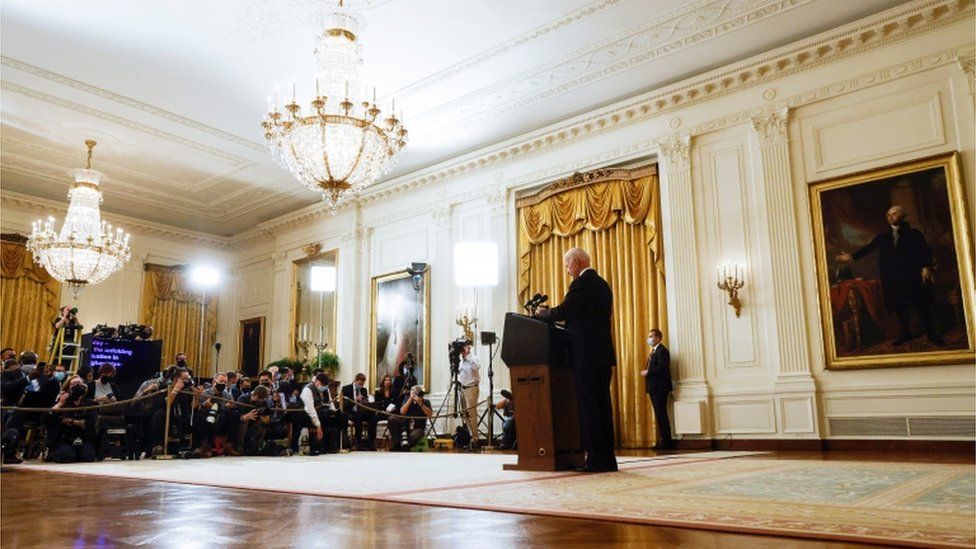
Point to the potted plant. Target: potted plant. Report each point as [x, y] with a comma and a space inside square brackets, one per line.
[327, 360]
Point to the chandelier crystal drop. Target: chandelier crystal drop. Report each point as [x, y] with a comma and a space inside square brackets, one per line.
[337, 146]
[85, 250]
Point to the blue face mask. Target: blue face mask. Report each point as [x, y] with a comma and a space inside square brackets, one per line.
[60, 376]
[650, 341]
[322, 389]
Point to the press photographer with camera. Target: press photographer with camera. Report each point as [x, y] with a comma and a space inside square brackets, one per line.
[68, 319]
[408, 431]
[253, 415]
[211, 418]
[71, 435]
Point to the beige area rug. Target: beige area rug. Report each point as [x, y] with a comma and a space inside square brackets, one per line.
[912, 504]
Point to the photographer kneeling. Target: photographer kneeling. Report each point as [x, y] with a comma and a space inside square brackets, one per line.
[254, 415]
[72, 434]
[406, 431]
[212, 418]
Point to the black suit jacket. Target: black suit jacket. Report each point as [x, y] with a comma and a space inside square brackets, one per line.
[658, 378]
[347, 392]
[899, 267]
[586, 309]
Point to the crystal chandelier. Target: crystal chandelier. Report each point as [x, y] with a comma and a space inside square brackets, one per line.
[86, 251]
[335, 147]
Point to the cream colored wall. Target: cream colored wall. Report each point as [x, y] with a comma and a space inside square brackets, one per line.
[739, 195]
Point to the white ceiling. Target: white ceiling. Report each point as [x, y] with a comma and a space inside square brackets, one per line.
[174, 91]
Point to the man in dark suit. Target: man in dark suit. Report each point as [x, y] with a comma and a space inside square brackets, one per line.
[586, 309]
[657, 382]
[357, 393]
[905, 269]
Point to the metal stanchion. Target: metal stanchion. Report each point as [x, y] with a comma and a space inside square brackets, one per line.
[165, 455]
[345, 421]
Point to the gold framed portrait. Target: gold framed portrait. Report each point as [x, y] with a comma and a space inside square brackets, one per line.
[399, 324]
[894, 262]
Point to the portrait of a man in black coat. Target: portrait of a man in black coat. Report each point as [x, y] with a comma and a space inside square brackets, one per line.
[905, 270]
[586, 310]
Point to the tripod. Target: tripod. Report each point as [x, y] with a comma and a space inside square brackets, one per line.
[453, 391]
[490, 412]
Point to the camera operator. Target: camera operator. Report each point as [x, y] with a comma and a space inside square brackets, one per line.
[405, 378]
[356, 391]
[407, 432]
[253, 415]
[212, 416]
[469, 375]
[72, 433]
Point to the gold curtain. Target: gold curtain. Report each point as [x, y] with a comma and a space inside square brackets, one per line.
[28, 299]
[172, 307]
[615, 215]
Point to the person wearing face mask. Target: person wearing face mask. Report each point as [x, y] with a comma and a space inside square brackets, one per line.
[212, 418]
[104, 389]
[314, 396]
[406, 377]
[28, 362]
[357, 393]
[657, 383]
[72, 434]
[180, 361]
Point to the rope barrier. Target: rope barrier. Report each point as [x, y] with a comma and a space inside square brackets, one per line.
[163, 391]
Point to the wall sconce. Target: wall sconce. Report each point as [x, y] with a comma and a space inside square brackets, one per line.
[730, 280]
[467, 319]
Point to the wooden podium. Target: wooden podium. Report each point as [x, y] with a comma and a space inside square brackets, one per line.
[546, 420]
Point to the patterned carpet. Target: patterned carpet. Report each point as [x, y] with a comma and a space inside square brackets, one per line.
[910, 504]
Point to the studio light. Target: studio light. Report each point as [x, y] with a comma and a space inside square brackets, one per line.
[322, 278]
[204, 276]
[476, 263]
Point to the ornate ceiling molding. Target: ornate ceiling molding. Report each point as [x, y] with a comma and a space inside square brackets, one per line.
[129, 102]
[131, 224]
[129, 123]
[513, 44]
[870, 33]
[662, 36]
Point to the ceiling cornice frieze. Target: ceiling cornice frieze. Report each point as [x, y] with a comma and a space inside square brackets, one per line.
[660, 37]
[129, 102]
[131, 224]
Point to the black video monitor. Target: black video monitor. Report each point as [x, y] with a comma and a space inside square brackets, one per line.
[134, 360]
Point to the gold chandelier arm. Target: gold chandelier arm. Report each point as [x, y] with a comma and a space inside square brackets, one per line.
[359, 155]
[325, 153]
[91, 145]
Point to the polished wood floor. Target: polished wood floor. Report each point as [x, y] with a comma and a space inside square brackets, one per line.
[51, 510]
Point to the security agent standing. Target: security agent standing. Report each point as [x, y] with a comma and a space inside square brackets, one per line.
[657, 383]
[469, 376]
[586, 310]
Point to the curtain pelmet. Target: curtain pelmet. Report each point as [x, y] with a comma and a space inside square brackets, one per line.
[618, 223]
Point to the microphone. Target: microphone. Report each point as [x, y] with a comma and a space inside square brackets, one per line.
[542, 299]
[532, 303]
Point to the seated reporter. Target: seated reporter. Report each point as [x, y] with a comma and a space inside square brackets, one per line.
[72, 433]
[253, 414]
[507, 405]
[408, 431]
[211, 416]
[104, 390]
[356, 394]
[180, 402]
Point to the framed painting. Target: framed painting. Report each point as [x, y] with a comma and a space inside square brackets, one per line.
[252, 346]
[895, 265]
[399, 321]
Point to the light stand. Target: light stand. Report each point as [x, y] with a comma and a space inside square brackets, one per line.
[490, 339]
[203, 277]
